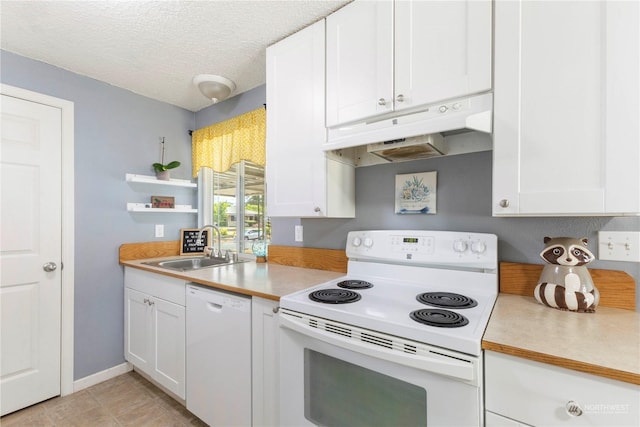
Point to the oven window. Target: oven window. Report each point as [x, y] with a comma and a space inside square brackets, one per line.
[339, 393]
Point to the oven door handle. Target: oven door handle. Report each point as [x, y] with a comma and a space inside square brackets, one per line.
[431, 361]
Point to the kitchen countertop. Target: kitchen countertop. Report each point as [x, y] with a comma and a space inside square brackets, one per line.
[265, 280]
[604, 343]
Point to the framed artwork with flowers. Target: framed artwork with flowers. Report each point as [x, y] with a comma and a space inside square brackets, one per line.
[416, 193]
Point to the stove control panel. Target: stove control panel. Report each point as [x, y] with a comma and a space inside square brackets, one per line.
[423, 247]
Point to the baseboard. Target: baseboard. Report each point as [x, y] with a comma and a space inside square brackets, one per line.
[99, 377]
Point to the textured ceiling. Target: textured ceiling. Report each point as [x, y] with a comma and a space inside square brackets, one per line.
[155, 48]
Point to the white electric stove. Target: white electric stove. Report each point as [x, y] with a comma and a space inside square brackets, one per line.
[435, 287]
[404, 323]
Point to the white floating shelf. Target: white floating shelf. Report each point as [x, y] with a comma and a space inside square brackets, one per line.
[144, 207]
[146, 179]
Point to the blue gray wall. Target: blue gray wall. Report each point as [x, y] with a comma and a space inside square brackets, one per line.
[116, 132]
[232, 107]
[463, 204]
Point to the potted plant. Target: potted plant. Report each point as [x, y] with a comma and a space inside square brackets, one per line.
[163, 171]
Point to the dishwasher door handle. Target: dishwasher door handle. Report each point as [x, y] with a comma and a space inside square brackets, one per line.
[212, 306]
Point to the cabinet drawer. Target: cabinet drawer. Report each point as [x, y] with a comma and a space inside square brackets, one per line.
[494, 420]
[539, 394]
[158, 285]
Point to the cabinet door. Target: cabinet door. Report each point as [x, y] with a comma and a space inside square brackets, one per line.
[138, 333]
[169, 345]
[359, 61]
[265, 361]
[566, 108]
[298, 184]
[442, 50]
[538, 394]
[295, 125]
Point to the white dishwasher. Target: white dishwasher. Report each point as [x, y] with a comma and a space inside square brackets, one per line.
[218, 339]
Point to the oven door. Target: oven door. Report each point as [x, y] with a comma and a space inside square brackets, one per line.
[333, 374]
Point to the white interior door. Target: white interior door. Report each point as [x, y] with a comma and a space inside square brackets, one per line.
[30, 239]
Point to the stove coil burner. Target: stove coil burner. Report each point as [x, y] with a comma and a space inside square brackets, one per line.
[334, 296]
[446, 300]
[354, 284]
[439, 318]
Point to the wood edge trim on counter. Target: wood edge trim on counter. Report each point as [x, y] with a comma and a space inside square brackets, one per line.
[295, 256]
[561, 362]
[134, 251]
[617, 288]
[319, 259]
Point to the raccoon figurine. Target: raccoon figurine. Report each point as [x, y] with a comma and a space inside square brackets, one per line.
[565, 283]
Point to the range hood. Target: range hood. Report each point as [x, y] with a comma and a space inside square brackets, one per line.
[451, 117]
[417, 147]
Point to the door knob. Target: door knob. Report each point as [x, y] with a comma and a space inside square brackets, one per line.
[49, 267]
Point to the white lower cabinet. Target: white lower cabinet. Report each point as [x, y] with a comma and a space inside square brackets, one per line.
[523, 392]
[155, 332]
[155, 327]
[265, 362]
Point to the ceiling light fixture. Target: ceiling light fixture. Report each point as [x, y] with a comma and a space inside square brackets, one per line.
[215, 88]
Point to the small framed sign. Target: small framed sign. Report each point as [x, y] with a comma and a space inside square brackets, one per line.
[189, 244]
[163, 202]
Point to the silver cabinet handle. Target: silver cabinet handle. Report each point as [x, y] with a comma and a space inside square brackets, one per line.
[400, 98]
[49, 267]
[504, 203]
[275, 309]
[382, 101]
[573, 408]
[317, 209]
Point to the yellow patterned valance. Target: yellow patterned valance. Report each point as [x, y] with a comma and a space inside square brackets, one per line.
[222, 145]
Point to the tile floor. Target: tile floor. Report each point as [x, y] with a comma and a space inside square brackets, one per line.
[126, 400]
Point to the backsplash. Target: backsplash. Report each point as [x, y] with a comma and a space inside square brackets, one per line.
[463, 204]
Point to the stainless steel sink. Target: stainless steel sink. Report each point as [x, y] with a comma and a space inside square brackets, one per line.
[191, 263]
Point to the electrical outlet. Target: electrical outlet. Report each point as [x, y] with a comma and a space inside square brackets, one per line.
[619, 245]
[298, 233]
[159, 230]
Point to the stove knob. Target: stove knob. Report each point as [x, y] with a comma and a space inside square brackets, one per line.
[459, 246]
[356, 241]
[368, 242]
[478, 247]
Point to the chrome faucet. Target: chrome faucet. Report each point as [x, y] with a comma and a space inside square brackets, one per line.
[213, 227]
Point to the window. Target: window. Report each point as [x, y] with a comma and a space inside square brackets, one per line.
[236, 204]
[232, 199]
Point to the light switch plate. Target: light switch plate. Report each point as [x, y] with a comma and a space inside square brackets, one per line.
[298, 233]
[159, 230]
[619, 246]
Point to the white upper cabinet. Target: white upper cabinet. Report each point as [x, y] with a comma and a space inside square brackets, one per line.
[359, 61]
[302, 180]
[442, 51]
[566, 127]
[388, 56]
